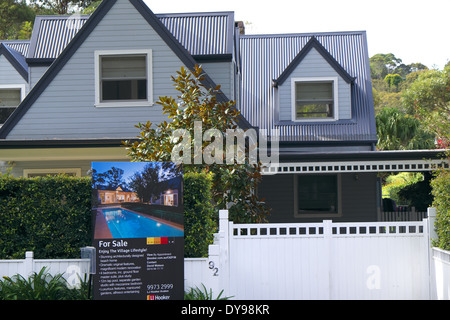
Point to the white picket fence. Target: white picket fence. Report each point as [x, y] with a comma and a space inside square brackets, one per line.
[379, 260]
[73, 270]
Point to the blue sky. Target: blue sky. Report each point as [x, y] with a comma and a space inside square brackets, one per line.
[129, 168]
[413, 30]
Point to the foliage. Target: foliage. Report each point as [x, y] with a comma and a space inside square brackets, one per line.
[234, 184]
[428, 98]
[199, 294]
[399, 131]
[39, 286]
[48, 215]
[393, 80]
[15, 19]
[62, 6]
[441, 193]
[199, 223]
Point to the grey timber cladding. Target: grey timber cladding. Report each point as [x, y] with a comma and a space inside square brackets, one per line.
[264, 58]
[72, 114]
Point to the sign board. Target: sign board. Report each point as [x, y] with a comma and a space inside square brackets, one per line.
[138, 230]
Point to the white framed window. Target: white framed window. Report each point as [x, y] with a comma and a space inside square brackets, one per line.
[10, 97]
[123, 78]
[317, 195]
[314, 99]
[30, 173]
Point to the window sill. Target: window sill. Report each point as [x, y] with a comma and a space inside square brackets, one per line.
[313, 122]
[123, 104]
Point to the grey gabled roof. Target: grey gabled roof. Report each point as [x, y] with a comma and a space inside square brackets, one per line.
[79, 38]
[201, 34]
[51, 34]
[16, 59]
[264, 58]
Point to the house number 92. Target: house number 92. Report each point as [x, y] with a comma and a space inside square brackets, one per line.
[214, 268]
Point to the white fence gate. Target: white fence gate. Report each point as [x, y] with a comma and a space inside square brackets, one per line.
[379, 260]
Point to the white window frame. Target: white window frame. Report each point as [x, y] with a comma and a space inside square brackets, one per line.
[21, 87]
[124, 103]
[75, 171]
[334, 80]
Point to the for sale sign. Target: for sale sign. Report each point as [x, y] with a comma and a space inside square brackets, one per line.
[139, 231]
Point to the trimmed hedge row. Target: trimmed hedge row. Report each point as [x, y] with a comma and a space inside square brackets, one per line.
[441, 193]
[199, 225]
[48, 215]
[51, 216]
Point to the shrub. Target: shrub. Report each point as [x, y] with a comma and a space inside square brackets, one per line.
[48, 215]
[39, 286]
[441, 193]
[199, 226]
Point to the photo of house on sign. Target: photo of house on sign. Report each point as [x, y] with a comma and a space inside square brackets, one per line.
[137, 200]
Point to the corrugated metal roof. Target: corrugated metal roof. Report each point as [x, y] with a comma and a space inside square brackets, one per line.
[51, 34]
[20, 46]
[265, 57]
[202, 33]
[199, 33]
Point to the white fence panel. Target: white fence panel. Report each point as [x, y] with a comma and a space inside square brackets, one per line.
[441, 274]
[380, 260]
[385, 261]
[73, 270]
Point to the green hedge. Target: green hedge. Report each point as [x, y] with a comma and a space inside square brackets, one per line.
[441, 193]
[48, 215]
[199, 226]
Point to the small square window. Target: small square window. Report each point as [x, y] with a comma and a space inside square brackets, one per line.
[314, 99]
[10, 98]
[317, 195]
[123, 78]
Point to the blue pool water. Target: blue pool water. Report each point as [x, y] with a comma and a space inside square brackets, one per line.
[125, 224]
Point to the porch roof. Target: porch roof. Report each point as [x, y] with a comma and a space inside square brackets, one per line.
[365, 161]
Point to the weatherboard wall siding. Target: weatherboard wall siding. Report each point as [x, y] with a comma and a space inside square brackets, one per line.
[8, 74]
[66, 108]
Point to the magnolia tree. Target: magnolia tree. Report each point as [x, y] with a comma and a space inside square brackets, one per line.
[197, 136]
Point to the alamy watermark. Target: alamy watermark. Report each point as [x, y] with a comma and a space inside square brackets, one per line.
[235, 146]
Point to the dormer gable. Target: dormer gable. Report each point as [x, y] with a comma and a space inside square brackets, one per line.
[314, 87]
[313, 43]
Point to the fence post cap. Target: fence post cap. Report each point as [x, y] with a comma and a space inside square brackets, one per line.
[223, 214]
[29, 254]
[431, 212]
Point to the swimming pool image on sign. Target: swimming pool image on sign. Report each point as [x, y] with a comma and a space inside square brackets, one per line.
[126, 224]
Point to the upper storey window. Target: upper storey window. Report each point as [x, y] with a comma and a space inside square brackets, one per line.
[314, 99]
[123, 78]
[10, 98]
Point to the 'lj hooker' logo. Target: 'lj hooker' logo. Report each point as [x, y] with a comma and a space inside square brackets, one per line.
[155, 297]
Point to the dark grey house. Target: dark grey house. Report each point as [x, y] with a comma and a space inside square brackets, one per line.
[90, 79]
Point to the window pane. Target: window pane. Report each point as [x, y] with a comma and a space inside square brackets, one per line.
[317, 193]
[313, 100]
[5, 113]
[314, 110]
[124, 67]
[9, 97]
[124, 90]
[314, 90]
